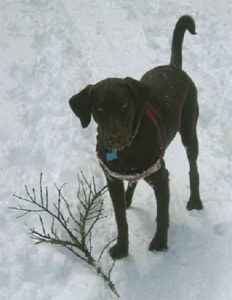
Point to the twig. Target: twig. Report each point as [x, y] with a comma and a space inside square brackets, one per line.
[104, 249]
[77, 226]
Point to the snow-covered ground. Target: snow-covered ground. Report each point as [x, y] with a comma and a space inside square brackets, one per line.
[49, 51]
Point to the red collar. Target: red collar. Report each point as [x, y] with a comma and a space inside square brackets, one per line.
[152, 117]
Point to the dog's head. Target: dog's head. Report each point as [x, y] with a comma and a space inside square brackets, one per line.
[116, 106]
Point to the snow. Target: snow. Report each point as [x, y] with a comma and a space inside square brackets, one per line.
[51, 50]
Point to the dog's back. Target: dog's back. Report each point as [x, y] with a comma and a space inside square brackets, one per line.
[169, 84]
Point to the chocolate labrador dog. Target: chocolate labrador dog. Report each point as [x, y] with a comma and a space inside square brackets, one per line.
[137, 120]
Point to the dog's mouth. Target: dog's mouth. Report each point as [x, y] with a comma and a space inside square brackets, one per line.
[118, 147]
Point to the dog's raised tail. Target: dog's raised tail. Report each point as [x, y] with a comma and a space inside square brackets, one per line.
[184, 23]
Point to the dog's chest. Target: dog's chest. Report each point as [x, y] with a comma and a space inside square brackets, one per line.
[134, 159]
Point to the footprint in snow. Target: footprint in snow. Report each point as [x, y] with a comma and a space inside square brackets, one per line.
[223, 228]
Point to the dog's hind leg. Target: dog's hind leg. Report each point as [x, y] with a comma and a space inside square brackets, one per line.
[189, 139]
[129, 193]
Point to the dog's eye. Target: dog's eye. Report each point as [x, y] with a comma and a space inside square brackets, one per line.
[125, 106]
[100, 109]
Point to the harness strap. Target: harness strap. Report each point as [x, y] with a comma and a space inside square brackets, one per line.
[132, 177]
[151, 116]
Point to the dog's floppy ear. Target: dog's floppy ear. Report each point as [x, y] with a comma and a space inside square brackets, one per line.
[81, 105]
[140, 90]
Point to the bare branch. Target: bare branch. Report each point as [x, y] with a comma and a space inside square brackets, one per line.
[42, 225]
[77, 225]
[41, 188]
[29, 195]
[104, 249]
[46, 197]
[27, 211]
[110, 271]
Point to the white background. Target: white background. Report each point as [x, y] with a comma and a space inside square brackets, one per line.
[50, 50]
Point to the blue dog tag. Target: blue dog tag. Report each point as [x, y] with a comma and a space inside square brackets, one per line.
[111, 155]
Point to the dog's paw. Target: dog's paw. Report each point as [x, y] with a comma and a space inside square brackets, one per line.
[158, 244]
[118, 251]
[194, 203]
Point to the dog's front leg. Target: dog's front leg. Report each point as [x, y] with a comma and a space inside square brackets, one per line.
[160, 183]
[117, 193]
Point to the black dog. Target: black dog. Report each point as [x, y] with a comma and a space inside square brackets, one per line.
[136, 121]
